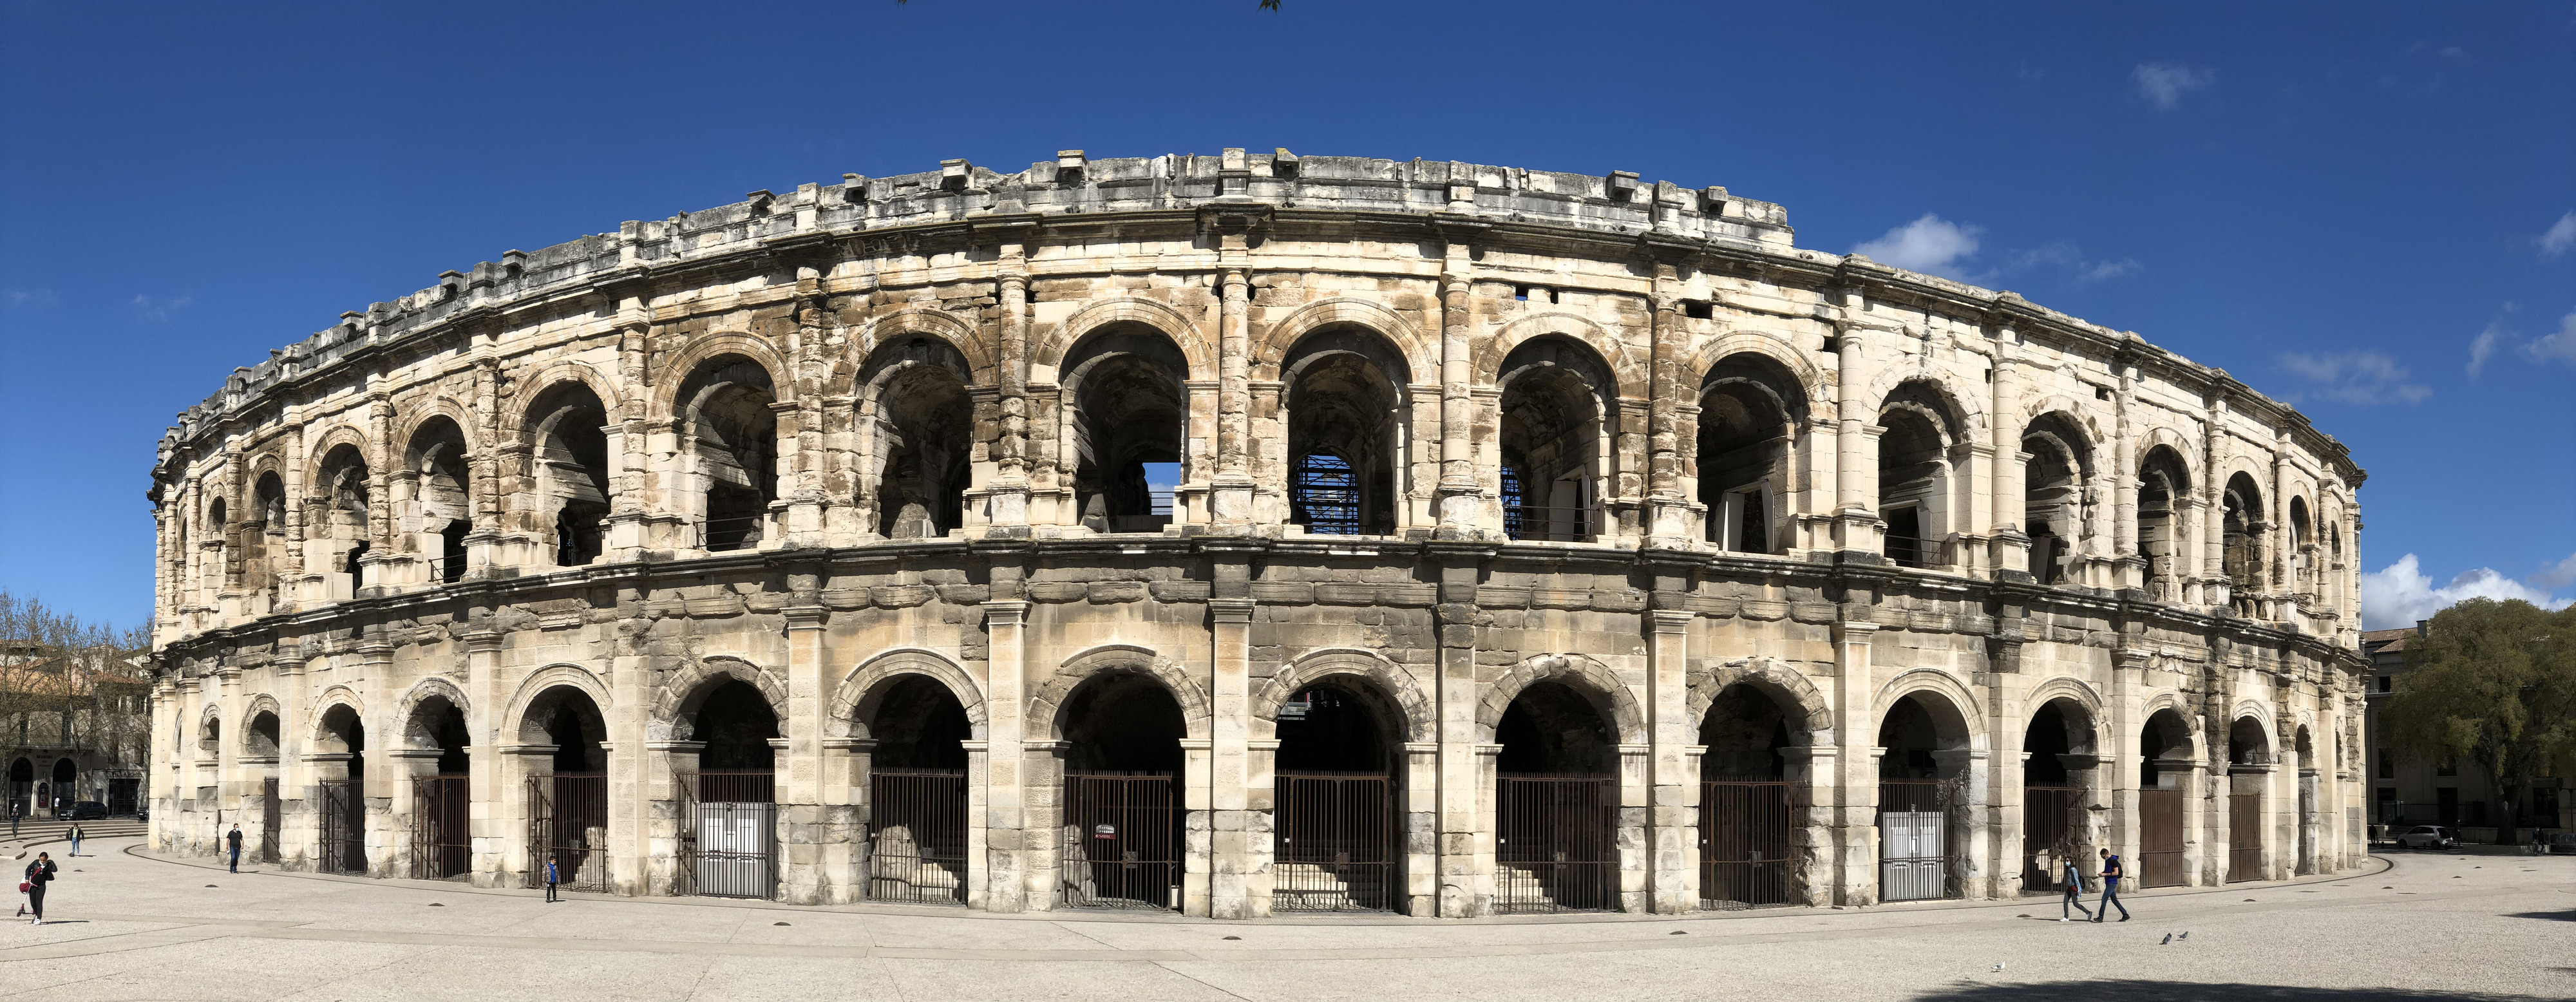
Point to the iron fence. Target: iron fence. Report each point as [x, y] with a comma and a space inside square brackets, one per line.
[568, 824]
[917, 836]
[1550, 524]
[728, 833]
[271, 818]
[2160, 838]
[1744, 839]
[1555, 848]
[343, 813]
[1335, 846]
[1122, 835]
[738, 532]
[1914, 839]
[442, 836]
[2049, 836]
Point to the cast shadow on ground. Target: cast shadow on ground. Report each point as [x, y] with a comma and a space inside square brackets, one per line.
[2566, 916]
[2127, 990]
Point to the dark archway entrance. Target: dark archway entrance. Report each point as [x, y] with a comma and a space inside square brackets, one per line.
[568, 803]
[260, 751]
[442, 841]
[1556, 804]
[1334, 828]
[2164, 771]
[729, 806]
[916, 823]
[1747, 807]
[2056, 794]
[340, 795]
[1921, 792]
[22, 786]
[1123, 804]
[2249, 765]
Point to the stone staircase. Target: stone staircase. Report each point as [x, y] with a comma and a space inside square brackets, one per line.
[1313, 887]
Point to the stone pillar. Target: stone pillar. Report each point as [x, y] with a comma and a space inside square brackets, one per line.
[1672, 856]
[1973, 822]
[1460, 498]
[1640, 873]
[1009, 874]
[1009, 515]
[2117, 782]
[1669, 520]
[663, 760]
[821, 840]
[517, 865]
[2122, 481]
[1855, 449]
[1231, 501]
[1198, 826]
[979, 837]
[632, 789]
[1855, 805]
[490, 814]
[1422, 835]
[1238, 871]
[1466, 767]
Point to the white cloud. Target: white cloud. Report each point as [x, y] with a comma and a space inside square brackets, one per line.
[1931, 245]
[2360, 377]
[2483, 346]
[2106, 270]
[2555, 576]
[2559, 347]
[156, 310]
[2560, 236]
[2399, 594]
[20, 299]
[2164, 84]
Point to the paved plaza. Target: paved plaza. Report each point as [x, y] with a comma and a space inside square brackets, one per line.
[128, 926]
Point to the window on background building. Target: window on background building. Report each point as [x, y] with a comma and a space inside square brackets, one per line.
[2387, 766]
[2384, 683]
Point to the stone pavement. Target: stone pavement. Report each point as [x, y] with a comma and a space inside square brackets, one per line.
[130, 926]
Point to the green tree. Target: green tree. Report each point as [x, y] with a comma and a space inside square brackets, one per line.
[2493, 683]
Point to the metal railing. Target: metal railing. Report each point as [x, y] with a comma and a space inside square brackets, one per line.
[2048, 836]
[1551, 524]
[916, 836]
[442, 839]
[1744, 838]
[1916, 553]
[568, 824]
[1335, 842]
[1122, 841]
[1555, 844]
[728, 833]
[738, 532]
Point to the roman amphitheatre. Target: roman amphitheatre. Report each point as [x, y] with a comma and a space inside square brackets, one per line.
[1250, 534]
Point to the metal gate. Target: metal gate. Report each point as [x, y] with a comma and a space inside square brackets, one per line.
[1122, 840]
[1335, 843]
[2049, 836]
[344, 827]
[1743, 844]
[728, 833]
[2160, 838]
[124, 795]
[2244, 837]
[568, 823]
[270, 820]
[1913, 840]
[917, 836]
[442, 840]
[1554, 848]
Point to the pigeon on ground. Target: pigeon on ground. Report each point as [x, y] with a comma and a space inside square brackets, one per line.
[1999, 967]
[2184, 936]
[2168, 939]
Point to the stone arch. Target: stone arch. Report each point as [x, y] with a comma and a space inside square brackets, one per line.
[1627, 368]
[1391, 681]
[1275, 341]
[1970, 425]
[670, 375]
[319, 726]
[210, 729]
[1775, 678]
[514, 420]
[1960, 702]
[332, 438]
[1152, 313]
[982, 368]
[559, 675]
[1598, 684]
[1811, 381]
[406, 712]
[2183, 448]
[1047, 705]
[439, 406]
[2066, 407]
[251, 736]
[2265, 730]
[2082, 694]
[856, 698]
[678, 698]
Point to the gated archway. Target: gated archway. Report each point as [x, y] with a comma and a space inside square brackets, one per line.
[441, 783]
[1123, 805]
[2057, 793]
[1923, 788]
[1338, 798]
[340, 789]
[1749, 799]
[1556, 802]
[728, 798]
[568, 800]
[2249, 767]
[260, 751]
[2164, 774]
[914, 758]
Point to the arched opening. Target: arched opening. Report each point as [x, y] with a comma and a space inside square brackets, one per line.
[1750, 410]
[1337, 804]
[2056, 504]
[1345, 405]
[22, 788]
[730, 441]
[1126, 426]
[2249, 767]
[66, 791]
[267, 538]
[568, 803]
[1123, 804]
[567, 427]
[434, 500]
[442, 836]
[340, 796]
[1556, 804]
[216, 571]
[2058, 771]
[343, 491]
[260, 752]
[916, 824]
[1748, 800]
[729, 805]
[1914, 464]
[920, 442]
[2301, 551]
[2163, 482]
[2308, 821]
[2164, 775]
[1554, 436]
[1923, 789]
[2241, 527]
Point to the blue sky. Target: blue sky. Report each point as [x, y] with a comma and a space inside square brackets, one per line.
[2369, 210]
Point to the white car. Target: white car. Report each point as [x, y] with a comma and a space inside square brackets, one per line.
[2428, 837]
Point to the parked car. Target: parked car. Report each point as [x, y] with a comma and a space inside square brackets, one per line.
[87, 810]
[2563, 844]
[2428, 837]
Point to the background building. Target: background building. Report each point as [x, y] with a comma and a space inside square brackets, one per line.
[2412, 790]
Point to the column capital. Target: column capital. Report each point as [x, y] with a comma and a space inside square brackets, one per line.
[1231, 610]
[1671, 621]
[1006, 612]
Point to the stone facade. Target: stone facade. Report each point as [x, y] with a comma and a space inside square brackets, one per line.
[1524, 472]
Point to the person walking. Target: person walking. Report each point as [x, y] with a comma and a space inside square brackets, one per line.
[232, 842]
[2110, 889]
[2074, 892]
[76, 834]
[39, 873]
[16, 810]
[551, 876]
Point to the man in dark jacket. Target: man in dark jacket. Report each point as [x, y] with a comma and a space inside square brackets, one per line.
[2111, 874]
[39, 873]
[232, 842]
